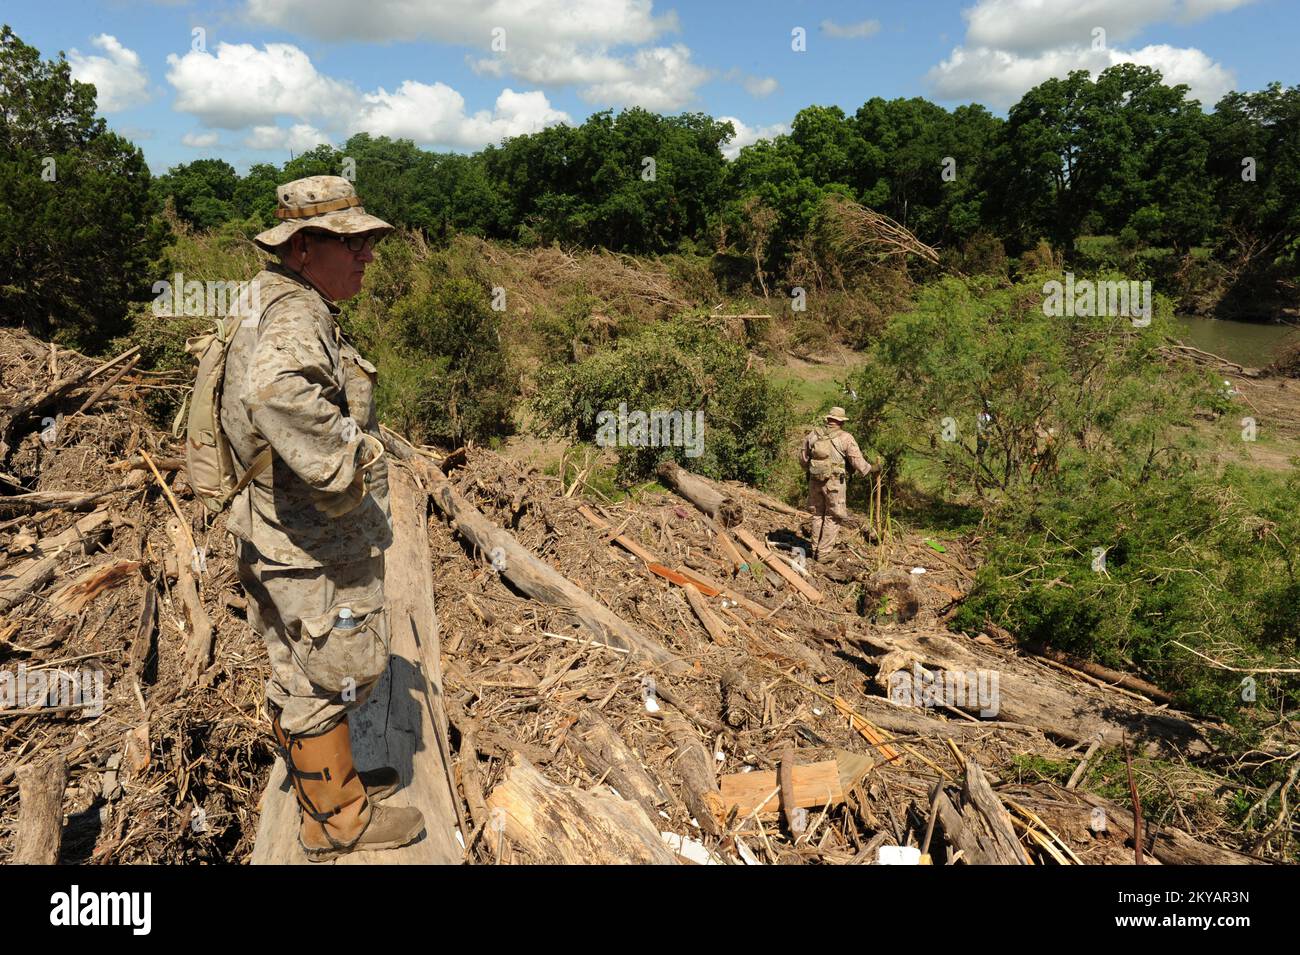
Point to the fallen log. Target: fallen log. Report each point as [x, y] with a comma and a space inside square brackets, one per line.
[48, 500]
[717, 632]
[40, 812]
[535, 578]
[607, 757]
[1104, 673]
[561, 825]
[1170, 846]
[755, 609]
[471, 779]
[1034, 694]
[694, 767]
[701, 492]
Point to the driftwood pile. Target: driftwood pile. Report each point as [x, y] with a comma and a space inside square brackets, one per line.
[663, 680]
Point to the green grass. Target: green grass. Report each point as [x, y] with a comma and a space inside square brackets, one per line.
[815, 388]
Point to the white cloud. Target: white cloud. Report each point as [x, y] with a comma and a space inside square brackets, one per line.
[243, 86]
[851, 31]
[542, 42]
[199, 140]
[435, 115]
[658, 78]
[747, 135]
[120, 81]
[1013, 45]
[661, 78]
[760, 85]
[999, 77]
[469, 22]
[1032, 26]
[298, 138]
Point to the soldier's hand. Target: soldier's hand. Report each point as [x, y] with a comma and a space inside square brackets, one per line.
[350, 498]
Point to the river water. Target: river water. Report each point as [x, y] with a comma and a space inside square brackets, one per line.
[1246, 343]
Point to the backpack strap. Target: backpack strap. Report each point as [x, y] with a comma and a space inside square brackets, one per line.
[260, 464]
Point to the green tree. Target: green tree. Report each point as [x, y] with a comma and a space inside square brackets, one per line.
[203, 192]
[77, 220]
[1254, 169]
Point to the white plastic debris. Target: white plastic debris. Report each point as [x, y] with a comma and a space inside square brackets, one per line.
[918, 570]
[898, 855]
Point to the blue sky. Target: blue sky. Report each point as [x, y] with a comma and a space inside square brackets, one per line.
[265, 78]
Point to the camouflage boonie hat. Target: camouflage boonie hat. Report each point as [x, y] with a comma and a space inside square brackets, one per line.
[836, 414]
[319, 202]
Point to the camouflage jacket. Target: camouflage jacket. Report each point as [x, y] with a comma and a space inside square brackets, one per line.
[844, 444]
[292, 381]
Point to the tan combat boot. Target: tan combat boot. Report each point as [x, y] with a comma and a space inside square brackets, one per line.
[380, 783]
[337, 816]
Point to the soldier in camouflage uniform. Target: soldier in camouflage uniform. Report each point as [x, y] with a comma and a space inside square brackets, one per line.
[313, 526]
[823, 456]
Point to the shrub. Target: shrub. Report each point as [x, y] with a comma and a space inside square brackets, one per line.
[686, 366]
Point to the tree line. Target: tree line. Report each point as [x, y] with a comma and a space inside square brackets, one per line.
[1122, 155]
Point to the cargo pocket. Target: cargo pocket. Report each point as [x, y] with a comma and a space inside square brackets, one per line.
[339, 659]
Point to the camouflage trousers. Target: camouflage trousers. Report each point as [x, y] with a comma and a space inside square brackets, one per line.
[828, 502]
[319, 672]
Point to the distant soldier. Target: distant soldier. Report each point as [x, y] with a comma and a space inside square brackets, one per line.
[825, 453]
[313, 518]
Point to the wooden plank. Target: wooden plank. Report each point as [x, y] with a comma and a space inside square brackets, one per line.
[395, 726]
[717, 632]
[798, 583]
[814, 784]
[728, 546]
[681, 580]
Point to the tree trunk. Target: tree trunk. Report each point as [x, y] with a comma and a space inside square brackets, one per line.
[702, 493]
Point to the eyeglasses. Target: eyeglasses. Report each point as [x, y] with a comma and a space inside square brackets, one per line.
[355, 243]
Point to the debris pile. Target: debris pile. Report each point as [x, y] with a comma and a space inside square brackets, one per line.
[665, 679]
